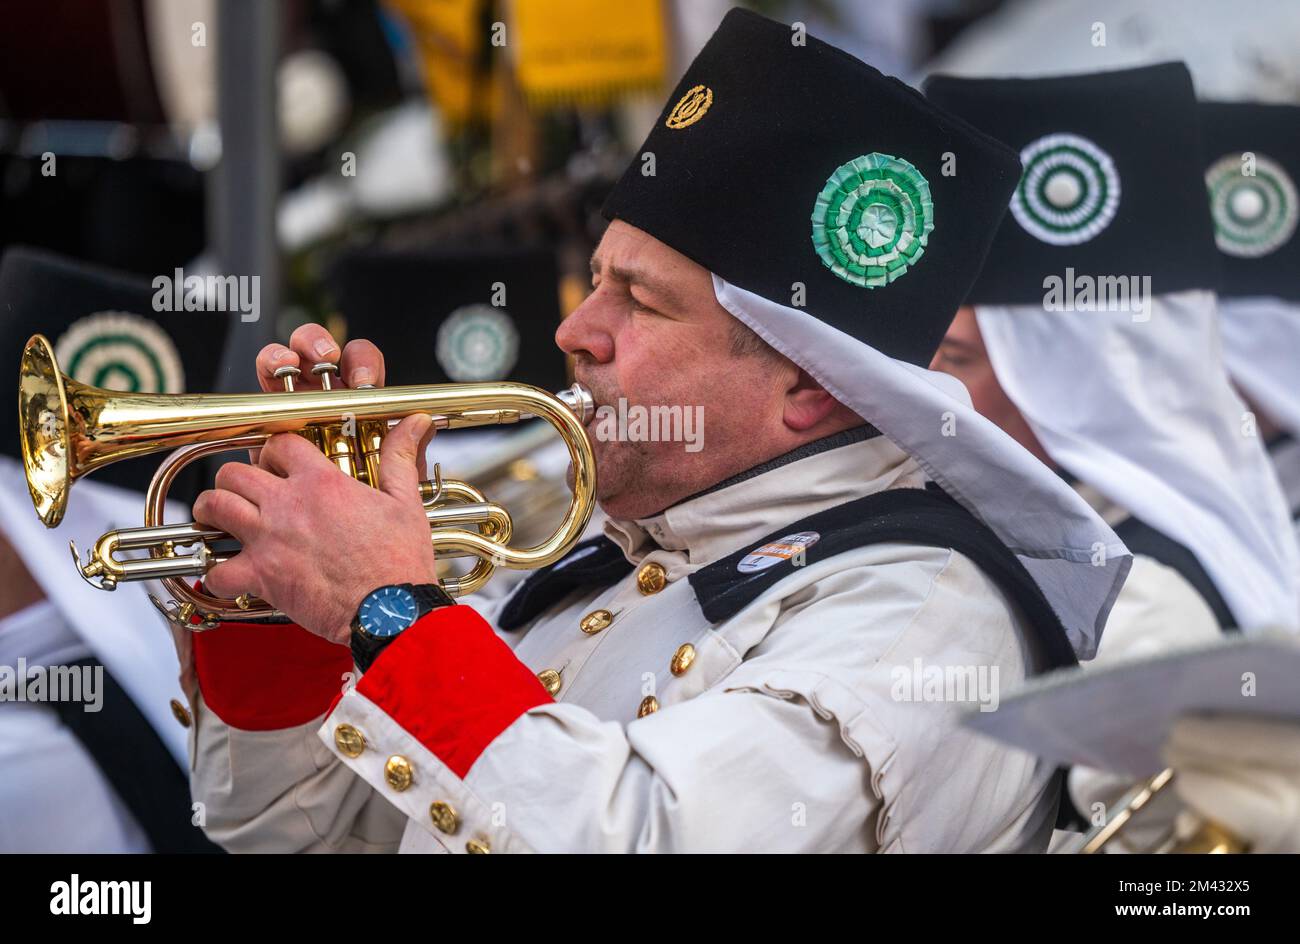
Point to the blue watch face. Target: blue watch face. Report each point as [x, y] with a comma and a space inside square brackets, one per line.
[387, 611]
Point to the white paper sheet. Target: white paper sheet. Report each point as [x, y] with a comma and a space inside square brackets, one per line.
[1118, 718]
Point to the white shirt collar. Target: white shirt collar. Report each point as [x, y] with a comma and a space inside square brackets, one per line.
[715, 523]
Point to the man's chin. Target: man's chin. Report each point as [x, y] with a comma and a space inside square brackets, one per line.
[604, 459]
[607, 474]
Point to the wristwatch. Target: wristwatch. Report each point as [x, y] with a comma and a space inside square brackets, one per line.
[388, 611]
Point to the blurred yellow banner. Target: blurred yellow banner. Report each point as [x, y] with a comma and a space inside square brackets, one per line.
[451, 39]
[587, 52]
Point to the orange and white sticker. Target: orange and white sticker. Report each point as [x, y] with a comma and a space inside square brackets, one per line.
[772, 553]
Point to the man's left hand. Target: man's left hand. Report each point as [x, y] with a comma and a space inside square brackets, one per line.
[316, 541]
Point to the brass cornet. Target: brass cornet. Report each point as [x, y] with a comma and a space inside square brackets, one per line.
[68, 429]
[1198, 835]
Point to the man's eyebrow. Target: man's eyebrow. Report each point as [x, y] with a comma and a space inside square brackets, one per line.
[660, 287]
[958, 342]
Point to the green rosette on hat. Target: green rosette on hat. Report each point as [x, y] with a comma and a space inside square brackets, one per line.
[871, 221]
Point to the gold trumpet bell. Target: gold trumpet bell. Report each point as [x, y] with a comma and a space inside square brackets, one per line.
[43, 430]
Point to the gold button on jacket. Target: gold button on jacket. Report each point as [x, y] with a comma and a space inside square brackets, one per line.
[444, 816]
[349, 740]
[181, 713]
[649, 705]
[651, 578]
[550, 680]
[682, 659]
[477, 847]
[595, 621]
[398, 772]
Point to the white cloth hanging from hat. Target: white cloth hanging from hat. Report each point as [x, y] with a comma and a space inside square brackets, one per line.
[1261, 348]
[53, 796]
[1226, 50]
[1142, 411]
[1077, 560]
[121, 628]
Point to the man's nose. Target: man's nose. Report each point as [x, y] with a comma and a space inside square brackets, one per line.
[587, 331]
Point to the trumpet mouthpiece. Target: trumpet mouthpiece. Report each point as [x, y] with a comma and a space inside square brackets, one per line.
[578, 399]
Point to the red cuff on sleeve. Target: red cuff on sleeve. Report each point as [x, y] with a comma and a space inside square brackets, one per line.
[452, 684]
[264, 676]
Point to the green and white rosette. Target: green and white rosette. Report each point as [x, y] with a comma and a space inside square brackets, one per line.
[120, 351]
[477, 343]
[1253, 214]
[871, 221]
[1069, 190]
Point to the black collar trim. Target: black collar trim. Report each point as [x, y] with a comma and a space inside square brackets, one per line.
[845, 437]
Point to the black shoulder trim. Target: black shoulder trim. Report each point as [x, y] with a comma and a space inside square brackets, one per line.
[1140, 538]
[597, 562]
[927, 517]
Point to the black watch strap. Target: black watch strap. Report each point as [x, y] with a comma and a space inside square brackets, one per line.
[366, 649]
[429, 596]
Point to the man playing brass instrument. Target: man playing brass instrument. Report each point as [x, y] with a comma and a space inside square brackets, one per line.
[770, 647]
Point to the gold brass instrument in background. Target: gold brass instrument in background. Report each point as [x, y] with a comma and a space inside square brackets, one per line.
[1200, 835]
[68, 429]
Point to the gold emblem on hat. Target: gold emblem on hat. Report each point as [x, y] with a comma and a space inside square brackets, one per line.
[690, 108]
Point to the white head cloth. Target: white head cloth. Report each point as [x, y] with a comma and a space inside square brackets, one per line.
[1261, 347]
[1224, 53]
[1142, 411]
[1077, 560]
[121, 628]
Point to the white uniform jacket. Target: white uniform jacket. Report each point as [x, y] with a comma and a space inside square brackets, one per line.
[823, 716]
[1285, 453]
[1158, 611]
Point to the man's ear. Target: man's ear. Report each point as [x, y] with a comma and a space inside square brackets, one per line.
[807, 403]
